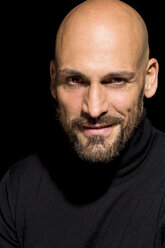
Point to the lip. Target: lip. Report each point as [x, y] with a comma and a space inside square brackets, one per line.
[103, 129]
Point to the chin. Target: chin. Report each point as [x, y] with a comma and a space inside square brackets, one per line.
[98, 149]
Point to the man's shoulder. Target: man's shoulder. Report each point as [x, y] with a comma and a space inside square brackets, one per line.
[27, 170]
[159, 139]
[23, 179]
[30, 164]
[157, 153]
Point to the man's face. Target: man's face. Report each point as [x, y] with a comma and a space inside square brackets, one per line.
[99, 88]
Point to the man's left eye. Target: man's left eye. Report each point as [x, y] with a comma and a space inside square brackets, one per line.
[116, 81]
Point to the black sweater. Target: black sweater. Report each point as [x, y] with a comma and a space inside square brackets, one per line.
[53, 200]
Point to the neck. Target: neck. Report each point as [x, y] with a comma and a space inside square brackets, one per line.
[84, 182]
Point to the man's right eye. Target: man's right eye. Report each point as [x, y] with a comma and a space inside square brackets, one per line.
[74, 80]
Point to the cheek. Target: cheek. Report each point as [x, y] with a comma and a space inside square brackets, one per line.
[70, 104]
[124, 101]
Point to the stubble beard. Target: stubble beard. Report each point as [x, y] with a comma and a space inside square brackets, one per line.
[96, 149]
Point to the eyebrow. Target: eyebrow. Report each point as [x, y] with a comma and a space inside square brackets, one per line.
[128, 74]
[118, 74]
[71, 72]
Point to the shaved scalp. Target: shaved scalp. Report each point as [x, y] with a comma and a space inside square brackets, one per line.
[84, 20]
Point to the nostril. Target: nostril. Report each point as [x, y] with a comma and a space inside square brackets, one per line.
[94, 110]
[92, 120]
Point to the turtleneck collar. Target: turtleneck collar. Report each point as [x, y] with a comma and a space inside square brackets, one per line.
[130, 157]
[136, 149]
[82, 182]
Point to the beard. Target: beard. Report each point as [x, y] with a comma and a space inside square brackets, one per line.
[96, 149]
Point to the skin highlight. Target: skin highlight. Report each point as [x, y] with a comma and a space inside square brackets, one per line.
[99, 13]
[101, 74]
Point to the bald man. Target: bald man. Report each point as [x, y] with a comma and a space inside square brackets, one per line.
[101, 181]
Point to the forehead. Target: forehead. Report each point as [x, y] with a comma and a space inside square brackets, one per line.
[116, 45]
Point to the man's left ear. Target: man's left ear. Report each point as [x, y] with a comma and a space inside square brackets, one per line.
[151, 82]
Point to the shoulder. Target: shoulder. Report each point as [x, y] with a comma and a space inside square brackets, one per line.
[31, 164]
[20, 185]
[157, 159]
[18, 190]
[23, 175]
[154, 169]
[26, 167]
[159, 135]
[159, 144]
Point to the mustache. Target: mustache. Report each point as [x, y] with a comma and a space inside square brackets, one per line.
[109, 120]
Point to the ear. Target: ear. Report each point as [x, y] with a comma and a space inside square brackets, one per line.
[151, 80]
[52, 78]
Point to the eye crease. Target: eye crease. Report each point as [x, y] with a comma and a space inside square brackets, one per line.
[116, 80]
[74, 79]
[78, 80]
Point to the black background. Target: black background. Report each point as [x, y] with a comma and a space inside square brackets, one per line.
[27, 36]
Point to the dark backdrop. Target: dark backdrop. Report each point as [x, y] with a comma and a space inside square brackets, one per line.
[28, 34]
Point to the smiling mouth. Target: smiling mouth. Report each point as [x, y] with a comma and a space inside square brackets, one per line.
[103, 129]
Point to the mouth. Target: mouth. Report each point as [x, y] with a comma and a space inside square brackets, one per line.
[101, 129]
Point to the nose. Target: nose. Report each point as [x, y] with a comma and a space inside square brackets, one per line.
[95, 101]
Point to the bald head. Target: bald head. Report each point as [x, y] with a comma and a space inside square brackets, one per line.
[102, 72]
[97, 23]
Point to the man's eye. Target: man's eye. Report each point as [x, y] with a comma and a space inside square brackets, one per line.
[75, 80]
[119, 80]
[116, 81]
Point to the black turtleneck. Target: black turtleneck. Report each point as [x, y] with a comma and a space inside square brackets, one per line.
[53, 199]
